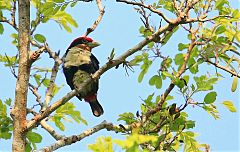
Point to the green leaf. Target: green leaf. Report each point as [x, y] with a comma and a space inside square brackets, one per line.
[46, 82]
[64, 112]
[128, 117]
[150, 45]
[34, 137]
[141, 75]
[146, 64]
[132, 142]
[112, 54]
[220, 29]
[210, 97]
[182, 46]
[230, 106]
[70, 20]
[219, 3]
[152, 80]
[8, 101]
[205, 83]
[58, 1]
[179, 59]
[47, 8]
[229, 61]
[5, 5]
[103, 144]
[141, 29]
[148, 101]
[136, 60]
[186, 78]
[37, 78]
[40, 38]
[65, 26]
[64, 7]
[212, 110]
[179, 82]
[73, 3]
[58, 123]
[236, 14]
[28, 147]
[156, 80]
[193, 65]
[234, 84]
[165, 73]
[5, 135]
[1, 28]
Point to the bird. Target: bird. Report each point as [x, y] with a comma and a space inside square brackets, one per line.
[78, 65]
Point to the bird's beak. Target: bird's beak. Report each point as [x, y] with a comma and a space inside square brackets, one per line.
[93, 44]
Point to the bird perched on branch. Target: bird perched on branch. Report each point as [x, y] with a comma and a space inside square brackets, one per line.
[78, 65]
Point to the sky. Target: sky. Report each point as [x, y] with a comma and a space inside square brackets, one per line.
[118, 92]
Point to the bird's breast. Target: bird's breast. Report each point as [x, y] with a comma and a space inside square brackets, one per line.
[76, 57]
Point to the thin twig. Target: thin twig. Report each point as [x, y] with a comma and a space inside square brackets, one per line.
[223, 68]
[98, 20]
[49, 93]
[149, 7]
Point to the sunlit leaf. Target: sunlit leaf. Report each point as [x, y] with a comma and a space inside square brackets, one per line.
[128, 117]
[132, 142]
[220, 29]
[230, 106]
[220, 3]
[58, 1]
[103, 144]
[212, 110]
[234, 84]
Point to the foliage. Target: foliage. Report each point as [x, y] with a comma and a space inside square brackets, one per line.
[67, 109]
[6, 125]
[32, 139]
[102, 144]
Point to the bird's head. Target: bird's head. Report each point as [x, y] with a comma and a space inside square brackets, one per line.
[84, 42]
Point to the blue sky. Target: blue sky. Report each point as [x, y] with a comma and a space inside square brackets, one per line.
[119, 93]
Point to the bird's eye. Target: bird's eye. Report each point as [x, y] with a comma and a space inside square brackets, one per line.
[84, 41]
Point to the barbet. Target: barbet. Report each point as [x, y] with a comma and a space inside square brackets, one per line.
[78, 65]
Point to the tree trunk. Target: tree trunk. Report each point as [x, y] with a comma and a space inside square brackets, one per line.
[19, 111]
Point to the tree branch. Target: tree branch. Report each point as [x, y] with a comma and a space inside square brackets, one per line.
[13, 12]
[50, 87]
[204, 19]
[11, 22]
[95, 24]
[50, 130]
[19, 110]
[75, 138]
[223, 68]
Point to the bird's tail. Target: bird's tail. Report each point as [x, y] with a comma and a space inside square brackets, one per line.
[97, 109]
